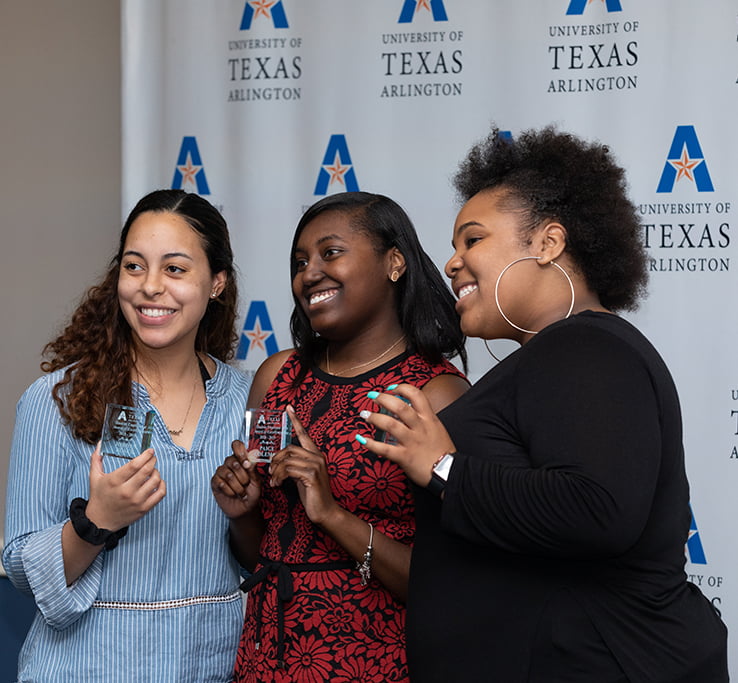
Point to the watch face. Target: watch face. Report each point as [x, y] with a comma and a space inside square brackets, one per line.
[443, 468]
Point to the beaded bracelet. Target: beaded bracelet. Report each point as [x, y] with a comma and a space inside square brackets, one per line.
[365, 566]
[86, 529]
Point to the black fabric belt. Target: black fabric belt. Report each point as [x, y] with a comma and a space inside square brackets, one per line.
[285, 591]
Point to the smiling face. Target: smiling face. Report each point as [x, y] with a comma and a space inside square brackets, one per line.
[341, 281]
[486, 239]
[165, 282]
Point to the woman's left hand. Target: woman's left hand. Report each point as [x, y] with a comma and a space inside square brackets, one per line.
[306, 465]
[421, 437]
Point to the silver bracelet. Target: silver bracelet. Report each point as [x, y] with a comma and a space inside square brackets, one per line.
[365, 566]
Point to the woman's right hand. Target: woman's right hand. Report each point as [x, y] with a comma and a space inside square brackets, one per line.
[235, 484]
[123, 496]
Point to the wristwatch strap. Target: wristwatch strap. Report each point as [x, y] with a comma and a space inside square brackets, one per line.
[439, 474]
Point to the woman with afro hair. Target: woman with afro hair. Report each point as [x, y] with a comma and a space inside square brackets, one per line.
[552, 502]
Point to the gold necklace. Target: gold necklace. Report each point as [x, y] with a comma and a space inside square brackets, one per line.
[177, 432]
[360, 365]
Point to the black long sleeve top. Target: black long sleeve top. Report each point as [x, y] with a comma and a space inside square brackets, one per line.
[557, 552]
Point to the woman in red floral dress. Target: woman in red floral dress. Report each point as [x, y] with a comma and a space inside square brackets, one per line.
[327, 528]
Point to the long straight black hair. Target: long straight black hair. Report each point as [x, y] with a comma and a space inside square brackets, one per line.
[425, 305]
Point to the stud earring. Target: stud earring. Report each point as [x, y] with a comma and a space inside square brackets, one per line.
[395, 276]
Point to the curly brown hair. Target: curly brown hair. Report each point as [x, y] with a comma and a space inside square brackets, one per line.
[96, 346]
[556, 176]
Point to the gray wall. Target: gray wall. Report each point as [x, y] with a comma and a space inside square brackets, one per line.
[60, 175]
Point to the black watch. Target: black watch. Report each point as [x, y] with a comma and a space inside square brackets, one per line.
[439, 474]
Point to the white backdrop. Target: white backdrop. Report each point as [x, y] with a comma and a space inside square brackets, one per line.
[265, 106]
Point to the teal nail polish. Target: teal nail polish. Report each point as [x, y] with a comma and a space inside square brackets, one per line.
[392, 386]
[360, 438]
[373, 394]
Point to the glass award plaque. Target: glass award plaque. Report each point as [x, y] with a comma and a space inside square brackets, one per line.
[381, 435]
[126, 431]
[269, 431]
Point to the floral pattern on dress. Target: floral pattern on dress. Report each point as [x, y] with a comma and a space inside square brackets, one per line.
[334, 629]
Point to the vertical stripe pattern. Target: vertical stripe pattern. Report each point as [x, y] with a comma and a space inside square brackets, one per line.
[176, 555]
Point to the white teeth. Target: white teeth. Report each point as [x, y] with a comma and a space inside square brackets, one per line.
[156, 312]
[321, 296]
[467, 289]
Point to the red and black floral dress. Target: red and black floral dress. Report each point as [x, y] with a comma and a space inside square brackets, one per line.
[308, 618]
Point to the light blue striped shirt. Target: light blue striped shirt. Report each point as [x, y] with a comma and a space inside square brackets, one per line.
[174, 562]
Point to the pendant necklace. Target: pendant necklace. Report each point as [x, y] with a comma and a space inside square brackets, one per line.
[360, 365]
[177, 432]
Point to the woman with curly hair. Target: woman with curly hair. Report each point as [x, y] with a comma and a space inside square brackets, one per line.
[328, 528]
[130, 566]
[552, 500]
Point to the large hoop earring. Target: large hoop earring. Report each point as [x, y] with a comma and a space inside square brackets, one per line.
[526, 258]
[489, 351]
